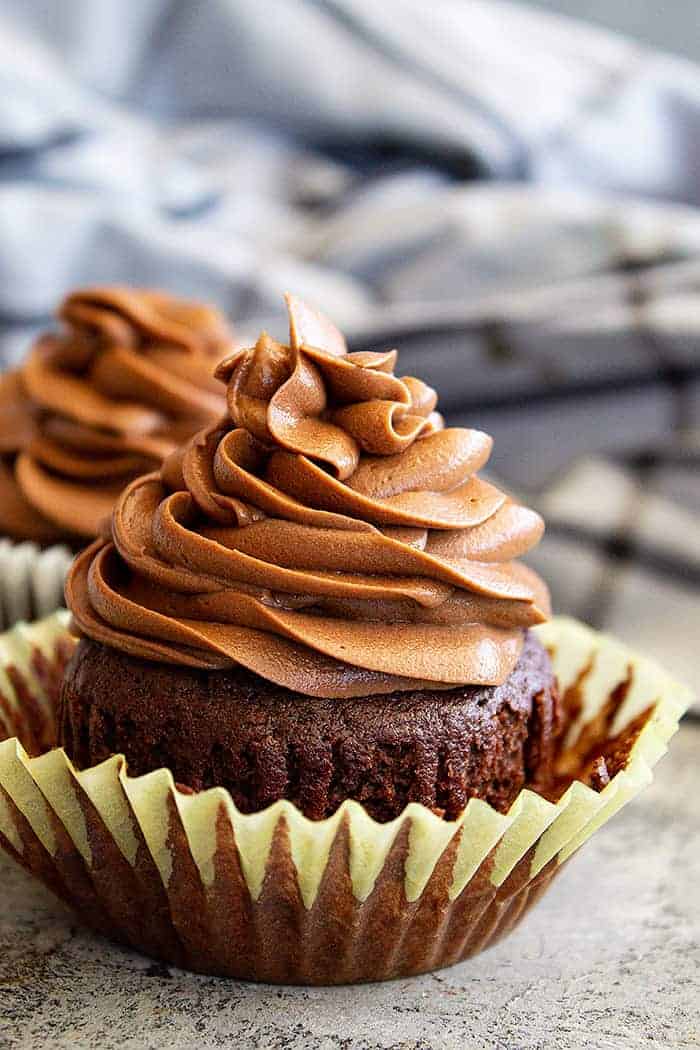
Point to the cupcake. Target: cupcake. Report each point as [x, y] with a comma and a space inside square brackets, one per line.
[105, 398]
[317, 727]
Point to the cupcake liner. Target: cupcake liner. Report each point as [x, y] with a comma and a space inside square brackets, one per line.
[273, 896]
[31, 580]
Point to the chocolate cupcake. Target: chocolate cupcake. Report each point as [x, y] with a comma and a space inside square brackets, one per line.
[310, 636]
[318, 600]
[105, 398]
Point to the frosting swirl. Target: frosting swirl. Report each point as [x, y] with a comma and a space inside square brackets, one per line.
[101, 402]
[329, 534]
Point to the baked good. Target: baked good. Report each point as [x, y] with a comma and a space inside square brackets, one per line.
[315, 609]
[317, 598]
[125, 379]
[234, 729]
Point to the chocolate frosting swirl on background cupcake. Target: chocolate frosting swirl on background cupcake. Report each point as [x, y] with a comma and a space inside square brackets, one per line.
[101, 402]
[329, 535]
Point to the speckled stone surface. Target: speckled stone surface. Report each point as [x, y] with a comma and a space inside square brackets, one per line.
[610, 958]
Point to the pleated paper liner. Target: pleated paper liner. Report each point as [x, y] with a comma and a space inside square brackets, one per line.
[273, 896]
[31, 580]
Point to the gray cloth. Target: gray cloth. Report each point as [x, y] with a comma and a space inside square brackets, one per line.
[228, 148]
[233, 149]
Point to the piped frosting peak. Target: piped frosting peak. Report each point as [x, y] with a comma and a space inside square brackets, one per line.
[329, 534]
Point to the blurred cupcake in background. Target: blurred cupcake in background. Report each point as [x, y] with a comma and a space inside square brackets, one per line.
[106, 397]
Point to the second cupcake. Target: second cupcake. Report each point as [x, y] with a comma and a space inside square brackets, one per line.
[96, 403]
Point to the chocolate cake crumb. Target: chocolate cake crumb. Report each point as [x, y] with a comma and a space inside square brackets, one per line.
[262, 742]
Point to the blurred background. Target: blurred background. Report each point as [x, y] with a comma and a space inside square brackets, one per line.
[510, 196]
[668, 24]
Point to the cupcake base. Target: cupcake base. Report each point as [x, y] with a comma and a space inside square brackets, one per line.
[262, 742]
[274, 896]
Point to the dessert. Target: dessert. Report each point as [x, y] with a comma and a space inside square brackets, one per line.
[354, 750]
[95, 404]
[317, 598]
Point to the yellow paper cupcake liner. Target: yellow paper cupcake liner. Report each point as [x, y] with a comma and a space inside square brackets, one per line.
[274, 896]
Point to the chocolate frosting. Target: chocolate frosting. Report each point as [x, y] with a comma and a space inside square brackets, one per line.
[97, 404]
[329, 535]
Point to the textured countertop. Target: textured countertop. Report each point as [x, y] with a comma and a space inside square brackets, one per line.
[609, 958]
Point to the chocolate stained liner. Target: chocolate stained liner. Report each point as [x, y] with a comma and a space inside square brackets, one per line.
[273, 896]
[31, 580]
